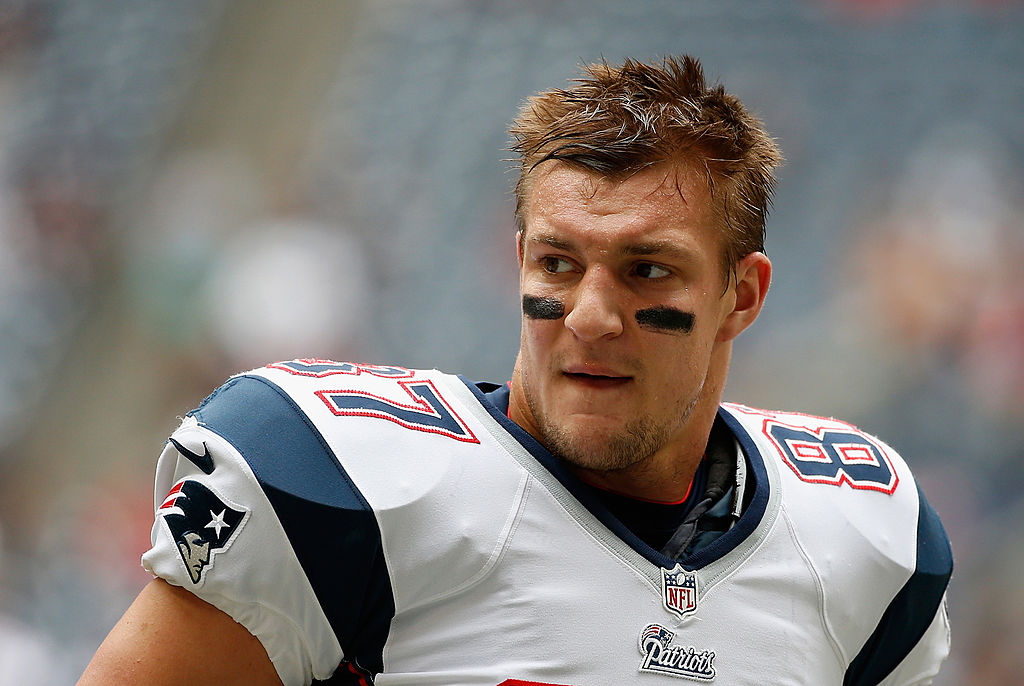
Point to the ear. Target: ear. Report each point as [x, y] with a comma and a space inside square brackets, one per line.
[746, 295]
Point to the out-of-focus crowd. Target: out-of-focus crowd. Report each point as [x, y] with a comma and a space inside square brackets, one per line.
[196, 187]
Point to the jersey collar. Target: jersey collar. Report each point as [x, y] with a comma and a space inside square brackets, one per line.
[755, 492]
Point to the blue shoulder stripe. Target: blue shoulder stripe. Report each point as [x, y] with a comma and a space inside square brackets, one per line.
[330, 525]
[913, 609]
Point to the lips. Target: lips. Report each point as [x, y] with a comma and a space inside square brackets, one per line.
[595, 377]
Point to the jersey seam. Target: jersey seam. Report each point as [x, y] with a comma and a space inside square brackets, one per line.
[819, 589]
[593, 528]
[509, 528]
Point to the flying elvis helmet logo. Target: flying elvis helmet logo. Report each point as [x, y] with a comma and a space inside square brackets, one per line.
[201, 523]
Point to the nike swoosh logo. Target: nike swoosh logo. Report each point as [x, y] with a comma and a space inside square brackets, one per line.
[204, 461]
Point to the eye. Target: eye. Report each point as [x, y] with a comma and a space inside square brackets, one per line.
[646, 270]
[555, 265]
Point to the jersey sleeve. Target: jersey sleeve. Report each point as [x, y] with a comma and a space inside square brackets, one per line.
[255, 515]
[921, 666]
[878, 550]
[913, 637]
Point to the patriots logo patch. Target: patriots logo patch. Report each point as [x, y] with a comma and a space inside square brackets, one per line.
[662, 656]
[201, 523]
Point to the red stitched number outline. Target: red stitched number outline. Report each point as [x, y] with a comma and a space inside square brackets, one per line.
[828, 451]
[318, 368]
[833, 456]
[428, 411]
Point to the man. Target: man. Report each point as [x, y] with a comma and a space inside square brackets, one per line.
[602, 519]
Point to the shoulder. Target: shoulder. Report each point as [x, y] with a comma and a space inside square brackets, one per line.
[864, 527]
[835, 475]
[348, 477]
[279, 419]
[349, 437]
[405, 461]
[822, 450]
[334, 431]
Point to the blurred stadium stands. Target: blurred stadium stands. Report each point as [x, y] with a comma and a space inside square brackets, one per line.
[191, 188]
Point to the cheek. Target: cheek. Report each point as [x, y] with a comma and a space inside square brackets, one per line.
[682, 358]
[665, 319]
[537, 307]
[538, 339]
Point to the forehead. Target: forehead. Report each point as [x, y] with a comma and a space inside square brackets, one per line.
[656, 203]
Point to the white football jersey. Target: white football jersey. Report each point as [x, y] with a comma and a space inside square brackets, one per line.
[375, 524]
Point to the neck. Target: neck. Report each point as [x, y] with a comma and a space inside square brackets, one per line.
[665, 475]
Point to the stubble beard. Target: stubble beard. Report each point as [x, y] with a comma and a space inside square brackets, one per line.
[636, 442]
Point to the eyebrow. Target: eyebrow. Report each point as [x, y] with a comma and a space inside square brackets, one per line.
[556, 243]
[667, 249]
[658, 248]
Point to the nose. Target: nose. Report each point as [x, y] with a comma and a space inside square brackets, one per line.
[595, 312]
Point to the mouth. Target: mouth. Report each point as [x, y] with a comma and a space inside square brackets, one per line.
[598, 379]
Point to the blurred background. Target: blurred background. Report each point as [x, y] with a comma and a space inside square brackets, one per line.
[190, 188]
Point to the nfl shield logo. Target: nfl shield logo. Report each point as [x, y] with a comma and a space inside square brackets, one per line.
[679, 591]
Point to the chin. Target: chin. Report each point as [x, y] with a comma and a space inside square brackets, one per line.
[604, 449]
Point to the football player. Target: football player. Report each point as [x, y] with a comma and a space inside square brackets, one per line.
[604, 518]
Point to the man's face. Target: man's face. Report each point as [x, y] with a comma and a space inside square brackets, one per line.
[196, 553]
[623, 302]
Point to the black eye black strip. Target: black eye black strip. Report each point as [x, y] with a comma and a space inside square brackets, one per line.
[665, 319]
[536, 307]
